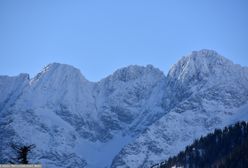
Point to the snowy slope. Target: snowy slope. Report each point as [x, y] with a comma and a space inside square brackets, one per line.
[70, 118]
[11, 88]
[133, 118]
[131, 98]
[208, 91]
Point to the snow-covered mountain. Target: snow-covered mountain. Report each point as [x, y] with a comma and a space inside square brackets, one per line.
[133, 118]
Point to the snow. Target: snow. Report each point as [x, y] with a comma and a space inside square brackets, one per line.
[241, 113]
[205, 94]
[135, 117]
[99, 153]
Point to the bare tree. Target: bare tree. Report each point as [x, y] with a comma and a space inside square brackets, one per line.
[22, 153]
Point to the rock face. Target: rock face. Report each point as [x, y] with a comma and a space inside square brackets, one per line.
[133, 118]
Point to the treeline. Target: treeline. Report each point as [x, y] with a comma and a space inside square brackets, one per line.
[227, 148]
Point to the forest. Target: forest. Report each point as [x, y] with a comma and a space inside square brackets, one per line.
[226, 148]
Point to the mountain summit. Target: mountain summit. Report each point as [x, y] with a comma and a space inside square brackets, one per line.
[200, 65]
[133, 118]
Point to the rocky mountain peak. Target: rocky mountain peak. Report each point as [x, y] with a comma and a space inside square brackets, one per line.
[199, 65]
[134, 72]
[136, 115]
[57, 73]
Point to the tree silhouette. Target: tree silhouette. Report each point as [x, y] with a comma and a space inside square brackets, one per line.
[22, 153]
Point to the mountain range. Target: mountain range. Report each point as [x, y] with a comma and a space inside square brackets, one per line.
[134, 118]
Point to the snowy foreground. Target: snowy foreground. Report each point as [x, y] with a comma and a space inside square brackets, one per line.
[133, 118]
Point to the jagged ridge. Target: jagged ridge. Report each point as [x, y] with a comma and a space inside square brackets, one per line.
[137, 112]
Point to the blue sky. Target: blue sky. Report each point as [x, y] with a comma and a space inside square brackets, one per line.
[101, 36]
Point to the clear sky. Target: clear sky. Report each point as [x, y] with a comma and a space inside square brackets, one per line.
[101, 36]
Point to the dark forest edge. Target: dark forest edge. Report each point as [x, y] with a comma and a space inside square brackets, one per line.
[227, 148]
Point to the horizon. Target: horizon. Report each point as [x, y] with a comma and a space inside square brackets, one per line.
[101, 37]
[165, 73]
